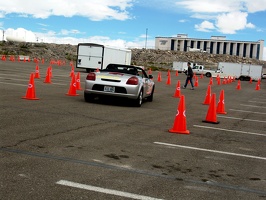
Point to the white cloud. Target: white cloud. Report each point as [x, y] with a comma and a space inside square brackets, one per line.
[227, 16]
[205, 26]
[106, 9]
[52, 37]
[212, 6]
[229, 23]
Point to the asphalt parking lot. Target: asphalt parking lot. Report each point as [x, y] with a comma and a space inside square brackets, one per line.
[60, 147]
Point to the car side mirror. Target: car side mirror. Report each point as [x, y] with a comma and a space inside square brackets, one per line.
[150, 76]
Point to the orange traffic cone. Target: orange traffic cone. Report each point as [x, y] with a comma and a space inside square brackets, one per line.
[149, 72]
[168, 82]
[250, 80]
[238, 87]
[211, 116]
[220, 106]
[180, 123]
[201, 76]
[72, 73]
[73, 88]
[48, 75]
[168, 73]
[30, 94]
[37, 72]
[257, 86]
[210, 82]
[78, 81]
[159, 79]
[207, 100]
[196, 81]
[177, 91]
[97, 70]
[176, 73]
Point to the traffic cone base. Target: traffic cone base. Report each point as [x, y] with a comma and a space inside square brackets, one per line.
[212, 122]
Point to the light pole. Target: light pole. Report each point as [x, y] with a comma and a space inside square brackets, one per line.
[3, 34]
[146, 38]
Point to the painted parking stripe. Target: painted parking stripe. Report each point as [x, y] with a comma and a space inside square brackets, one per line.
[261, 113]
[252, 106]
[256, 101]
[212, 151]
[229, 130]
[242, 119]
[103, 190]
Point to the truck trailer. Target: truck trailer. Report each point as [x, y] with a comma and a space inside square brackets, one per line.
[91, 56]
[241, 71]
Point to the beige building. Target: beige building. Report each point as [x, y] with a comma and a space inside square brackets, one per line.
[215, 45]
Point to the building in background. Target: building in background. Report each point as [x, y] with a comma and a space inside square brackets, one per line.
[215, 45]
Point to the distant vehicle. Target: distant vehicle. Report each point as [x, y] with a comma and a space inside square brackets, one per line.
[199, 69]
[180, 66]
[125, 81]
[264, 76]
[92, 56]
[240, 71]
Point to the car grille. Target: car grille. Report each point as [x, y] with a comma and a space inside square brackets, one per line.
[121, 90]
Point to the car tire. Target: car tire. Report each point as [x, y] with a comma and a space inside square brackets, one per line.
[208, 75]
[150, 98]
[88, 97]
[138, 101]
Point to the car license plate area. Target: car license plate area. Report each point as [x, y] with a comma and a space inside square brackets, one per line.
[109, 89]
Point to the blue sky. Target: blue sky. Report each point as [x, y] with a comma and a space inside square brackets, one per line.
[131, 23]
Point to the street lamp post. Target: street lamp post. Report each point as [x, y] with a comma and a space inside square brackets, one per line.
[3, 34]
[146, 38]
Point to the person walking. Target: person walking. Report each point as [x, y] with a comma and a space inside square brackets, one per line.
[189, 74]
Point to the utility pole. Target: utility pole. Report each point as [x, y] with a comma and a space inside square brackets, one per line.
[146, 38]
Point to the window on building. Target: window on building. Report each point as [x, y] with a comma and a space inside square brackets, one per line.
[225, 48]
[211, 48]
[185, 45]
[251, 50]
[205, 46]
[191, 44]
[198, 45]
[231, 48]
[218, 48]
[258, 51]
[245, 50]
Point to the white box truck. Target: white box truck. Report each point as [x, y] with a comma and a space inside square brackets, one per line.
[240, 71]
[91, 56]
[180, 66]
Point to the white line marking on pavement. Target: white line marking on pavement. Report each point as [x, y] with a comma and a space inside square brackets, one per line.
[228, 130]
[248, 111]
[252, 106]
[252, 120]
[14, 84]
[103, 190]
[209, 150]
[257, 101]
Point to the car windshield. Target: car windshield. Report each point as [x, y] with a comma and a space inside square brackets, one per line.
[122, 69]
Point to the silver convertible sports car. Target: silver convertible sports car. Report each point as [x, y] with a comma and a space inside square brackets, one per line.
[117, 80]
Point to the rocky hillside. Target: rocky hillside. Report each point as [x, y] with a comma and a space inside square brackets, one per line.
[143, 57]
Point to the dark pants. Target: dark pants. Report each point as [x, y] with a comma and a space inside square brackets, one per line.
[191, 82]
